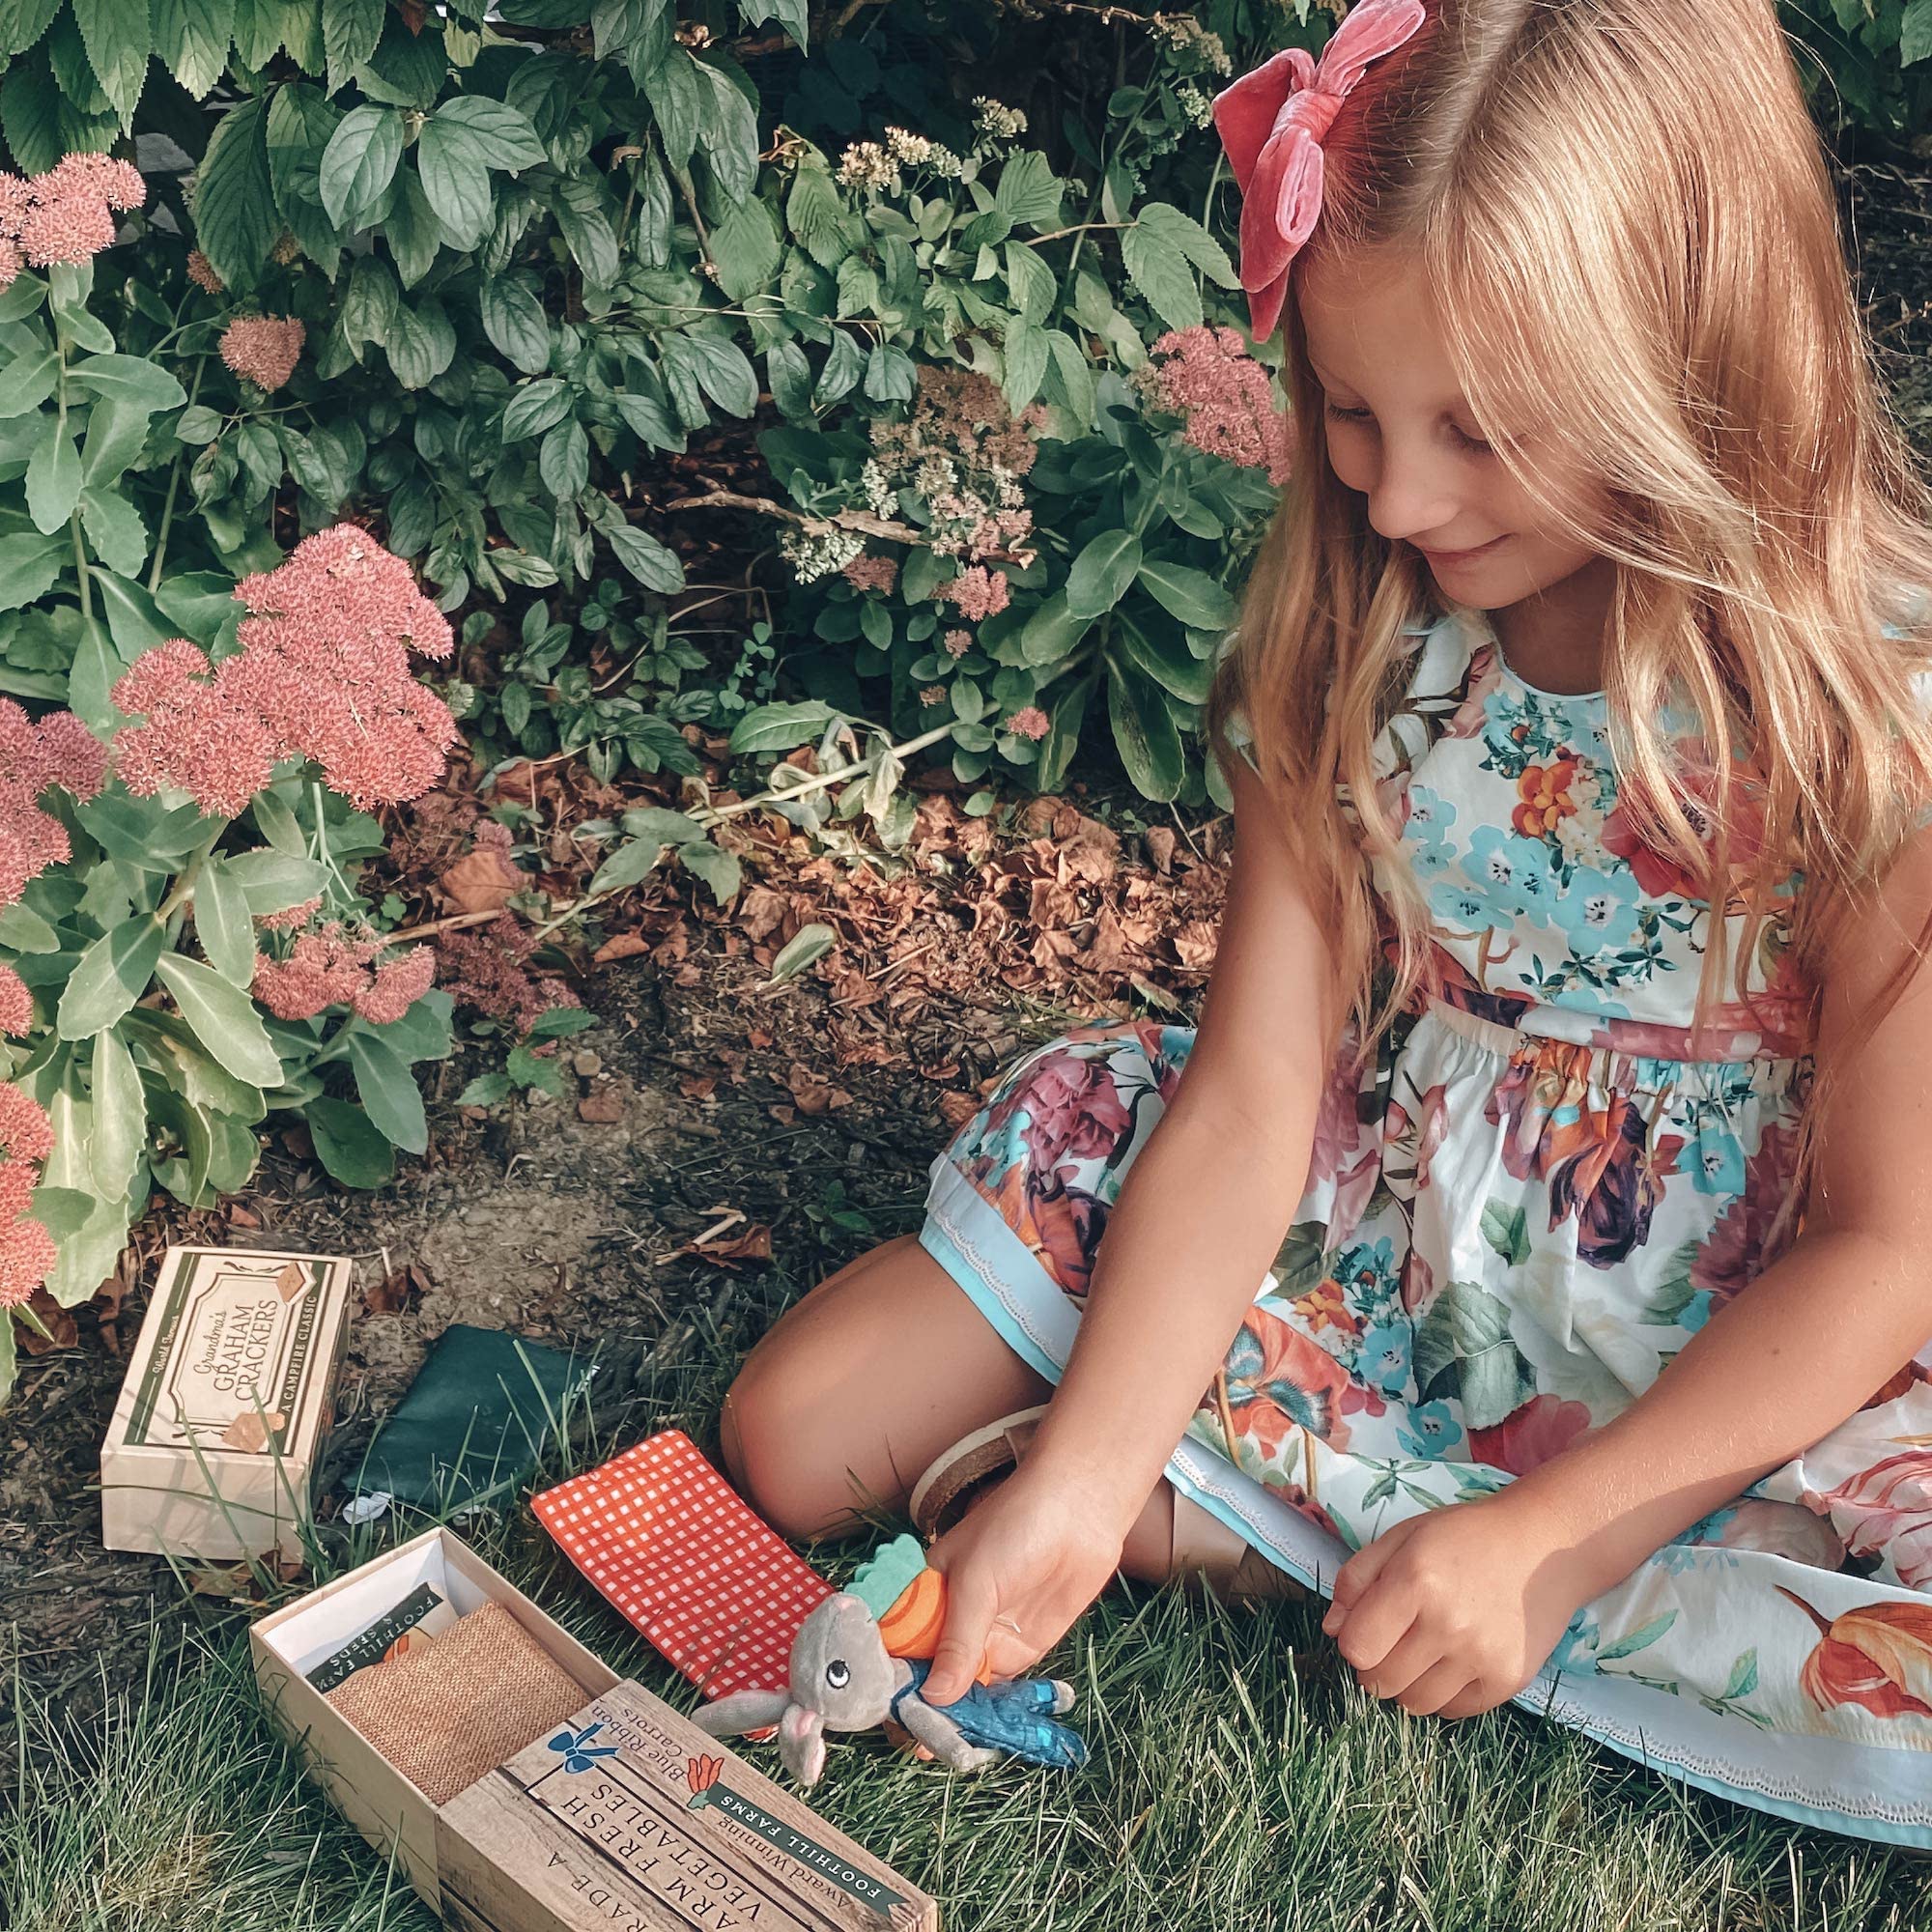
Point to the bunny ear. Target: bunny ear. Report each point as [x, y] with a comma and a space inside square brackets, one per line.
[802, 1743]
[743, 1711]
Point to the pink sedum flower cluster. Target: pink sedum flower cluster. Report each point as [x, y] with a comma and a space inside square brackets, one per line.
[27, 1253]
[264, 348]
[291, 918]
[197, 738]
[66, 215]
[35, 758]
[1207, 377]
[978, 592]
[16, 1004]
[1028, 722]
[322, 673]
[204, 274]
[871, 573]
[333, 967]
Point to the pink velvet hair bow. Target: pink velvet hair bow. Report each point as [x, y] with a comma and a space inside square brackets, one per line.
[1272, 122]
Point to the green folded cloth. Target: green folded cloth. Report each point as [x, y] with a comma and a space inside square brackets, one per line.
[474, 1422]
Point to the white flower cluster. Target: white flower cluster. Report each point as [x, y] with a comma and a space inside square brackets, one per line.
[1184, 34]
[881, 498]
[1195, 104]
[867, 164]
[814, 556]
[1011, 496]
[935, 476]
[996, 120]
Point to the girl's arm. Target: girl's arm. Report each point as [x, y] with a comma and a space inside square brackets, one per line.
[1198, 1220]
[1776, 1369]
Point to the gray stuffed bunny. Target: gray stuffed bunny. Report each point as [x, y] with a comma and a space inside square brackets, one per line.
[843, 1679]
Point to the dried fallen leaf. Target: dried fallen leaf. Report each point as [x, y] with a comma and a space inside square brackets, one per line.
[603, 1107]
[958, 1108]
[393, 1292]
[754, 1245]
[1161, 842]
[236, 1582]
[480, 881]
[620, 946]
[697, 1085]
[46, 1313]
[813, 1094]
[1195, 943]
[759, 911]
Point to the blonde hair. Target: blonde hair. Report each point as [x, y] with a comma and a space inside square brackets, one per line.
[1622, 212]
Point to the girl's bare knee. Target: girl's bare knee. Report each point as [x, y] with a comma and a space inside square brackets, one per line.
[768, 1445]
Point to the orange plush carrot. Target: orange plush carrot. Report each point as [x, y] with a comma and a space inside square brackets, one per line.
[915, 1613]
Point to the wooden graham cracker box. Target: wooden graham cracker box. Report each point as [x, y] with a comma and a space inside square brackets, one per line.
[230, 1391]
[624, 1817]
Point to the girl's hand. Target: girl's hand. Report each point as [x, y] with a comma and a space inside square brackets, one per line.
[1019, 1567]
[1455, 1611]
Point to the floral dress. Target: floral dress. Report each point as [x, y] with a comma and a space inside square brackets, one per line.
[1513, 1217]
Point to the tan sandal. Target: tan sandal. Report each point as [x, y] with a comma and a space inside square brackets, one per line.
[973, 1464]
[1205, 1552]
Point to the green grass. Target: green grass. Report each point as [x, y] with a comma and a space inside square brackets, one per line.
[1240, 1780]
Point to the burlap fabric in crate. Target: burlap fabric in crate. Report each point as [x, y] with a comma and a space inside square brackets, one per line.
[458, 1706]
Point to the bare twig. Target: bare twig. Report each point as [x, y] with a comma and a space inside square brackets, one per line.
[431, 927]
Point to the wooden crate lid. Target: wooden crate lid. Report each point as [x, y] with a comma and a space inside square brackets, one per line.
[633, 1818]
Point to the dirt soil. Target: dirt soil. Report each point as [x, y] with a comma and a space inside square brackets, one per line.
[721, 1107]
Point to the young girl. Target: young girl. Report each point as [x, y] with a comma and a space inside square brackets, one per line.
[1566, 1024]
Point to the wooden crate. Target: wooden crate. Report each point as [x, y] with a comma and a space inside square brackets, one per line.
[593, 1825]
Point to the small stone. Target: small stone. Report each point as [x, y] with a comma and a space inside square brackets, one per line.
[586, 1065]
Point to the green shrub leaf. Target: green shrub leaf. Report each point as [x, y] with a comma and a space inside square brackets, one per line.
[191, 38]
[453, 161]
[224, 1018]
[349, 1145]
[113, 973]
[359, 164]
[235, 217]
[1101, 573]
[1191, 595]
[53, 479]
[1145, 734]
[222, 923]
[389, 1092]
[119, 37]
[514, 319]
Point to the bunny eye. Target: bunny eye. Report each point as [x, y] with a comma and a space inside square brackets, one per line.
[836, 1674]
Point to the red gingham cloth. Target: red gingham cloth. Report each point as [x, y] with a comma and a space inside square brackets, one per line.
[680, 1553]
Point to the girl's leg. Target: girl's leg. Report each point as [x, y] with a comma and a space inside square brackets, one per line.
[858, 1385]
[881, 1368]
